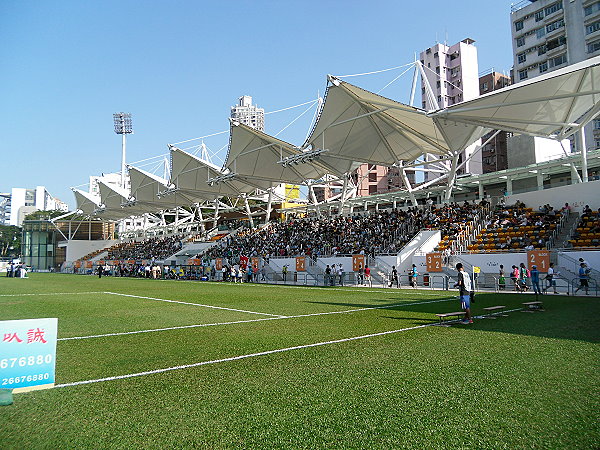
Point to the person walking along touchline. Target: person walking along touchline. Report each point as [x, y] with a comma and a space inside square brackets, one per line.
[465, 287]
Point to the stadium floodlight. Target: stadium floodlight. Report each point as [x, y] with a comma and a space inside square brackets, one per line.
[221, 178]
[123, 126]
[302, 158]
[166, 192]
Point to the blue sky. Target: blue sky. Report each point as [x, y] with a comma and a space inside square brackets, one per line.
[178, 66]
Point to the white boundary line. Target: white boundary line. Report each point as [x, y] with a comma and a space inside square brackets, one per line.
[268, 352]
[331, 288]
[52, 293]
[182, 327]
[194, 304]
[350, 288]
[252, 355]
[235, 358]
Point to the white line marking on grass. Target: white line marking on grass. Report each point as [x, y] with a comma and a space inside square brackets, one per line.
[194, 304]
[235, 358]
[377, 307]
[350, 288]
[328, 288]
[268, 352]
[51, 293]
[123, 333]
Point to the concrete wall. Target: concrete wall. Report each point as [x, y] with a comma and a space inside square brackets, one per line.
[345, 261]
[592, 257]
[577, 195]
[524, 150]
[278, 263]
[490, 262]
[77, 249]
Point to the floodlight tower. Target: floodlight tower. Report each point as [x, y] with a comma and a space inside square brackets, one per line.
[123, 126]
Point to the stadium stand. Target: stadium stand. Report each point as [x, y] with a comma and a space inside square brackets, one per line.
[517, 227]
[587, 233]
[456, 222]
[153, 248]
[377, 232]
[369, 233]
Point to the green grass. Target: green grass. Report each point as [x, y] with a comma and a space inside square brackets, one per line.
[527, 380]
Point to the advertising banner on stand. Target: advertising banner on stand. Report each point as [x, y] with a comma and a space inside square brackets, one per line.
[358, 261]
[300, 263]
[539, 258]
[27, 354]
[434, 262]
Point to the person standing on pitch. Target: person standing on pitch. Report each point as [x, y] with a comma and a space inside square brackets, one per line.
[502, 279]
[551, 278]
[535, 280]
[584, 276]
[368, 276]
[361, 279]
[465, 287]
[394, 277]
[413, 276]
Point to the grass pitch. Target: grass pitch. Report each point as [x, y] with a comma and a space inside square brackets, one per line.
[245, 370]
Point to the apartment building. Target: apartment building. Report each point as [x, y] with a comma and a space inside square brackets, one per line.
[548, 35]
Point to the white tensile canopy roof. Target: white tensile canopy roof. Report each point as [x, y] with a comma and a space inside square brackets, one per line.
[146, 186]
[358, 125]
[87, 203]
[555, 104]
[254, 156]
[190, 175]
[113, 197]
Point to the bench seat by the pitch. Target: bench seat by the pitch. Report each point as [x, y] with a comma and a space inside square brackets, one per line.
[498, 309]
[534, 306]
[442, 316]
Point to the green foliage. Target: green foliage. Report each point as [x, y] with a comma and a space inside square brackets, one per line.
[10, 240]
[528, 380]
[44, 215]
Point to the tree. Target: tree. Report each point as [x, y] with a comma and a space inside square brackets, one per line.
[44, 215]
[10, 240]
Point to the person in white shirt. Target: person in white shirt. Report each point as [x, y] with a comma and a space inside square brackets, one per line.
[465, 288]
[551, 278]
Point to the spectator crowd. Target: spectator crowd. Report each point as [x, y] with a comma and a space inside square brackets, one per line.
[152, 249]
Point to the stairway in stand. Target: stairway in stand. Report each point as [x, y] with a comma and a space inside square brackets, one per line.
[562, 239]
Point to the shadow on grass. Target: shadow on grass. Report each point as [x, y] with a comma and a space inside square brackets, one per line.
[572, 318]
[416, 320]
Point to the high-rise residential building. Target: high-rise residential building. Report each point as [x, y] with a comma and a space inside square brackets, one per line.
[550, 34]
[452, 73]
[108, 178]
[374, 179]
[494, 152]
[20, 202]
[248, 114]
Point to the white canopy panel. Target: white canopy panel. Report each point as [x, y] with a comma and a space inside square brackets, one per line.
[554, 104]
[358, 125]
[254, 156]
[113, 197]
[87, 203]
[190, 175]
[145, 189]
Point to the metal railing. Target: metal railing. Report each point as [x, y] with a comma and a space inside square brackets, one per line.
[557, 285]
[576, 264]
